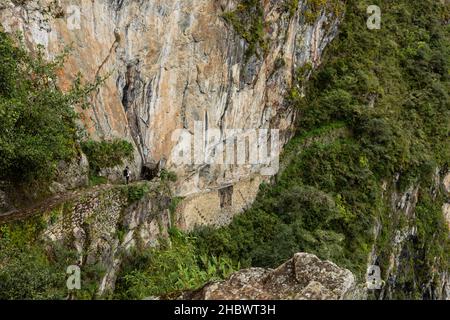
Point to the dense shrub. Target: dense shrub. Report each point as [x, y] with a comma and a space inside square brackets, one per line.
[26, 273]
[29, 270]
[323, 203]
[37, 119]
[248, 22]
[136, 192]
[107, 154]
[34, 269]
[174, 267]
[390, 86]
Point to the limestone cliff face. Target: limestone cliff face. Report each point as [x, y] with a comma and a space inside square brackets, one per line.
[173, 62]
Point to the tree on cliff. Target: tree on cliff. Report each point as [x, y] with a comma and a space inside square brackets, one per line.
[37, 118]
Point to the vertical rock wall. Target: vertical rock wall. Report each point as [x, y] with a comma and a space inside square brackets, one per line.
[173, 62]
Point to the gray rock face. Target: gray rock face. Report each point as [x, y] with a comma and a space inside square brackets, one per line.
[304, 277]
[5, 204]
[74, 174]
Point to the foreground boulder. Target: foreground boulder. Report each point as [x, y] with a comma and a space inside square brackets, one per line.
[304, 277]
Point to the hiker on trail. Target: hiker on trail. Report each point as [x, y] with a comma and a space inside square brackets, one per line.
[127, 174]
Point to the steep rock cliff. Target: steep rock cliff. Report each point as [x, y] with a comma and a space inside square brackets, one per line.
[171, 63]
[402, 257]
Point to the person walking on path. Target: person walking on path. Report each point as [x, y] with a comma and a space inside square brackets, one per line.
[127, 174]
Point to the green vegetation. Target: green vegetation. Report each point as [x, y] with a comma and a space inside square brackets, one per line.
[107, 154]
[168, 176]
[387, 91]
[136, 192]
[322, 203]
[95, 180]
[248, 22]
[26, 272]
[389, 88]
[174, 204]
[32, 267]
[315, 7]
[291, 6]
[175, 266]
[36, 117]
[426, 252]
[403, 70]
[379, 106]
[35, 271]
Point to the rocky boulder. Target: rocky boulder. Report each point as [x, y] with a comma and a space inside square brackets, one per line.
[304, 277]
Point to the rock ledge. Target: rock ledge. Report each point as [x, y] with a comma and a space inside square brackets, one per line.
[304, 277]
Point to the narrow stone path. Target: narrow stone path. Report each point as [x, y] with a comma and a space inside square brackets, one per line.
[53, 202]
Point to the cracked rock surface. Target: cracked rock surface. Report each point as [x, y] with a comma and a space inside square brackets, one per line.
[304, 277]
